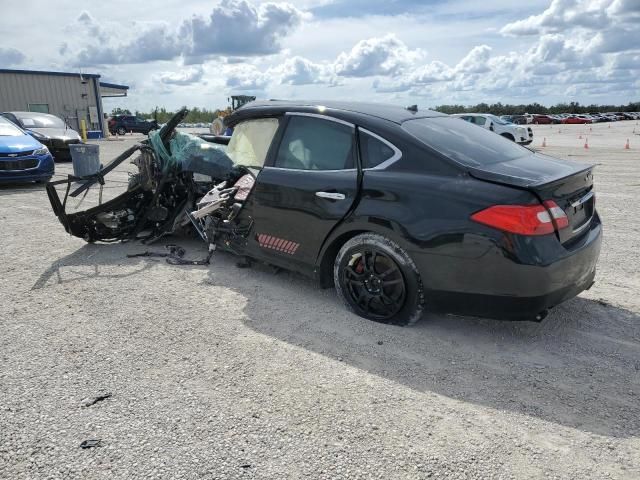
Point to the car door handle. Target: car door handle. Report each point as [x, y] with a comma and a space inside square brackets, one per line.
[331, 195]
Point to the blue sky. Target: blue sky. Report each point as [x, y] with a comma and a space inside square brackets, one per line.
[426, 52]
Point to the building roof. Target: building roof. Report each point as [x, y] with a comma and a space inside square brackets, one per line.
[113, 90]
[107, 89]
[46, 72]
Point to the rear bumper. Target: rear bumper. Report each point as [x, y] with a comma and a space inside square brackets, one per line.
[504, 307]
[508, 285]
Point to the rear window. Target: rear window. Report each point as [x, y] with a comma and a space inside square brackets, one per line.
[463, 142]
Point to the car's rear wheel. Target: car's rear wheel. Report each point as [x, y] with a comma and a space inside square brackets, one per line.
[377, 279]
[121, 131]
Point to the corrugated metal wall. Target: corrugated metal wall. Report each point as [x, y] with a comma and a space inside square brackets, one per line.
[67, 96]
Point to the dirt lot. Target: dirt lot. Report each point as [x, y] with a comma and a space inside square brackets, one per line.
[218, 372]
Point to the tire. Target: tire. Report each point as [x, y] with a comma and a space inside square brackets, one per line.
[121, 131]
[508, 136]
[376, 279]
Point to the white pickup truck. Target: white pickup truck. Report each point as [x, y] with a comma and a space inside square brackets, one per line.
[518, 133]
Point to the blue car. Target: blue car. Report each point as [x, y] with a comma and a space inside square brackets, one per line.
[22, 157]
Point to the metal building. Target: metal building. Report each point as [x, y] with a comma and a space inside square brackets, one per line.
[70, 96]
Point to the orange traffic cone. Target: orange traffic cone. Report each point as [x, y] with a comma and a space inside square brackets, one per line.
[544, 142]
[626, 145]
[586, 143]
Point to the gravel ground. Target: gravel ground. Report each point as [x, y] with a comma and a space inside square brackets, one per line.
[221, 373]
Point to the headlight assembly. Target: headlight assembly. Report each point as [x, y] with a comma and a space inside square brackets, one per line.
[41, 151]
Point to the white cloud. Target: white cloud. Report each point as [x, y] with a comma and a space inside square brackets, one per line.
[274, 49]
[300, 71]
[237, 27]
[562, 15]
[186, 76]
[246, 77]
[233, 28]
[476, 60]
[386, 55]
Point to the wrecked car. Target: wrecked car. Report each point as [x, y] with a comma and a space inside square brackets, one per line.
[399, 209]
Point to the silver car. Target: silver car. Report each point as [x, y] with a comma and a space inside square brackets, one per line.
[49, 130]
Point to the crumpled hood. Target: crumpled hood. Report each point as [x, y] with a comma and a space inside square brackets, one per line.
[61, 133]
[18, 143]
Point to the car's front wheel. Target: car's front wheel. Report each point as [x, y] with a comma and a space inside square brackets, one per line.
[121, 131]
[377, 279]
[508, 136]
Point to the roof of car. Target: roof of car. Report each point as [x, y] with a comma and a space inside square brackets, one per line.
[393, 113]
[30, 113]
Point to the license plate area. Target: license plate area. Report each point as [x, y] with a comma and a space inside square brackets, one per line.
[580, 212]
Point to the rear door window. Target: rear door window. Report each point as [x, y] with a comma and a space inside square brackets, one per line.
[373, 151]
[463, 142]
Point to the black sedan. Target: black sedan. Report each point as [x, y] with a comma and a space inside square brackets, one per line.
[401, 210]
[49, 130]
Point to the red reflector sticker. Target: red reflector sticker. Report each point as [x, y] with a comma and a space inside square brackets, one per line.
[278, 244]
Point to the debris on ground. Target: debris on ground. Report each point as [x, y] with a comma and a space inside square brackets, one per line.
[175, 256]
[87, 402]
[91, 443]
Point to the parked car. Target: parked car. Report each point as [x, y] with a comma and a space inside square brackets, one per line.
[22, 157]
[123, 124]
[539, 119]
[516, 133]
[577, 119]
[49, 130]
[517, 119]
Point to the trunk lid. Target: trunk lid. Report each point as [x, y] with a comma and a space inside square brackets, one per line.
[569, 184]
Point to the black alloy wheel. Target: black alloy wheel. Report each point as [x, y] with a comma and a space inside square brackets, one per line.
[377, 280]
[374, 283]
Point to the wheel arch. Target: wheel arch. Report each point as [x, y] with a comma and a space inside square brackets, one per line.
[508, 135]
[345, 232]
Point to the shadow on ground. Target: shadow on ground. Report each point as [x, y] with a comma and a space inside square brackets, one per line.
[579, 368]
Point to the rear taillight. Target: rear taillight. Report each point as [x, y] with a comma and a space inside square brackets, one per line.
[558, 216]
[524, 219]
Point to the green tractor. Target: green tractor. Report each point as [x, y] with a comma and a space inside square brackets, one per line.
[237, 101]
